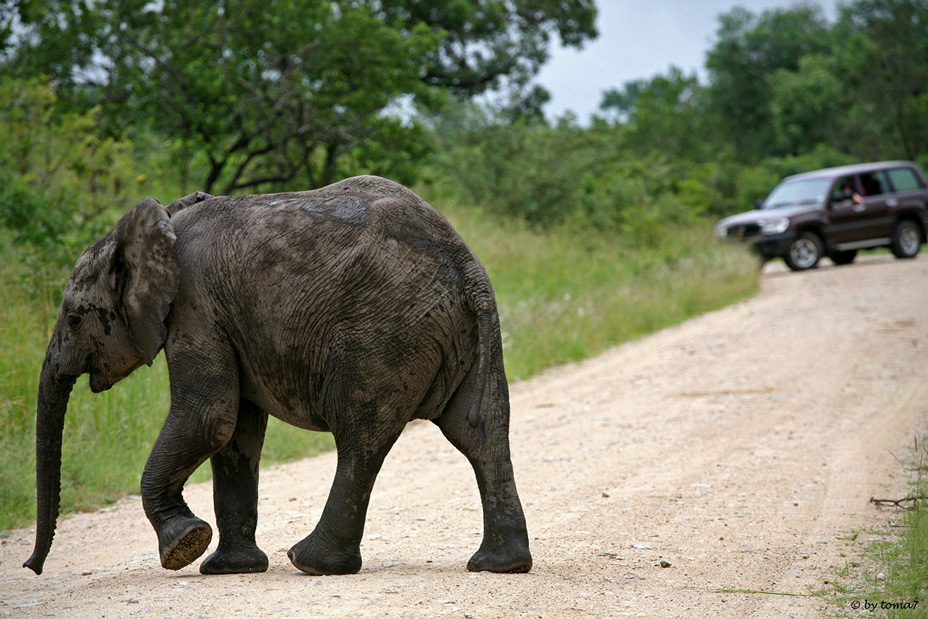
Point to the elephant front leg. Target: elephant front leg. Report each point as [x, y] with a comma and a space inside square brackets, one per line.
[182, 537]
[204, 405]
[235, 497]
[334, 546]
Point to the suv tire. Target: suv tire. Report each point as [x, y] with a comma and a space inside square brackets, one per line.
[843, 257]
[907, 239]
[804, 252]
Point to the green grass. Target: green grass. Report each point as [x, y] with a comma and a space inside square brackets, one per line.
[895, 579]
[904, 556]
[570, 293]
[563, 295]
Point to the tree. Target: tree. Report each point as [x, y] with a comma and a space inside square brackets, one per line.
[749, 50]
[663, 114]
[265, 91]
[885, 57]
[489, 41]
[283, 92]
[805, 105]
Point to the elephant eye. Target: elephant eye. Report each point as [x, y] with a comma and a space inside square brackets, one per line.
[74, 321]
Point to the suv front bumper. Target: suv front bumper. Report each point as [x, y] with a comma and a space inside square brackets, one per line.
[773, 245]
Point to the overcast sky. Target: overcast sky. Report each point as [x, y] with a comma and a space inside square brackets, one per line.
[639, 39]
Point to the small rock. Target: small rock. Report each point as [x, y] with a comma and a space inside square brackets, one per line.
[664, 563]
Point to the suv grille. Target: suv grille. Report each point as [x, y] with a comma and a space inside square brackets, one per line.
[737, 233]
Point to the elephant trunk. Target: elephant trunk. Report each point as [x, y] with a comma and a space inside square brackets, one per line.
[54, 391]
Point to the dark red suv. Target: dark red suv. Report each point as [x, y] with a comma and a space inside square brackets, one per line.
[835, 212]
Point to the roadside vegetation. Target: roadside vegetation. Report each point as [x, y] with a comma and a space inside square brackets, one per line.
[594, 231]
[892, 578]
[900, 590]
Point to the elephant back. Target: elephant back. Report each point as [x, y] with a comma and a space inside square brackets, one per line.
[321, 224]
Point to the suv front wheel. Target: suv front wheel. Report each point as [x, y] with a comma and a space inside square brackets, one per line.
[907, 239]
[804, 252]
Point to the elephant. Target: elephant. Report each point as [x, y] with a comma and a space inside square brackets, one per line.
[351, 309]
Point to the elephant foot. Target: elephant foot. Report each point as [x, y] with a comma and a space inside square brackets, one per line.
[182, 540]
[512, 557]
[319, 558]
[244, 559]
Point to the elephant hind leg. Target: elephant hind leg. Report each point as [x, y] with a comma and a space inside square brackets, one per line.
[505, 546]
[334, 546]
[235, 496]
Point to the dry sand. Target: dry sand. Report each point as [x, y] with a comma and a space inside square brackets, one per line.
[741, 448]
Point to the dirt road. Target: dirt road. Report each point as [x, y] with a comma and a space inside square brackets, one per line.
[741, 448]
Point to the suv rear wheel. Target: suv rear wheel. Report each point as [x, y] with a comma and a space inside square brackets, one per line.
[907, 239]
[804, 253]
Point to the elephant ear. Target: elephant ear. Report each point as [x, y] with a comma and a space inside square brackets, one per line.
[145, 274]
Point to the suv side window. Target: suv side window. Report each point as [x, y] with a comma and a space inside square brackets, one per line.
[844, 188]
[904, 179]
[875, 183]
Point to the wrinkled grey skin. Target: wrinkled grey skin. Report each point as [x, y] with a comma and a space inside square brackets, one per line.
[351, 309]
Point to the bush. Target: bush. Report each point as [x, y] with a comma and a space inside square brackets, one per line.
[526, 169]
[59, 182]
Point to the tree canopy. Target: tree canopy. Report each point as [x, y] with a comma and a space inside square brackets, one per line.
[787, 90]
[270, 92]
[749, 50]
[282, 94]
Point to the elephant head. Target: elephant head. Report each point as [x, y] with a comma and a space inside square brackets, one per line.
[111, 321]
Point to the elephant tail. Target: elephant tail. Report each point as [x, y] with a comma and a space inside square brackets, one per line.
[484, 326]
[482, 302]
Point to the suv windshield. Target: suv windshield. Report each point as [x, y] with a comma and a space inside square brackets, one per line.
[798, 192]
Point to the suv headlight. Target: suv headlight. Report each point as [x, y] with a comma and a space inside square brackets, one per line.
[777, 225]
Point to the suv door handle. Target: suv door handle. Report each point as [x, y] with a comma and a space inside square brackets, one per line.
[892, 202]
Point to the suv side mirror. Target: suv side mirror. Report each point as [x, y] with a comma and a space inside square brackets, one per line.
[758, 204]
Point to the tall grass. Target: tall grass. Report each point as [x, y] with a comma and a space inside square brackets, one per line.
[563, 295]
[570, 293]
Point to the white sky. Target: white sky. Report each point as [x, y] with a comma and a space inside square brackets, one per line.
[639, 39]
